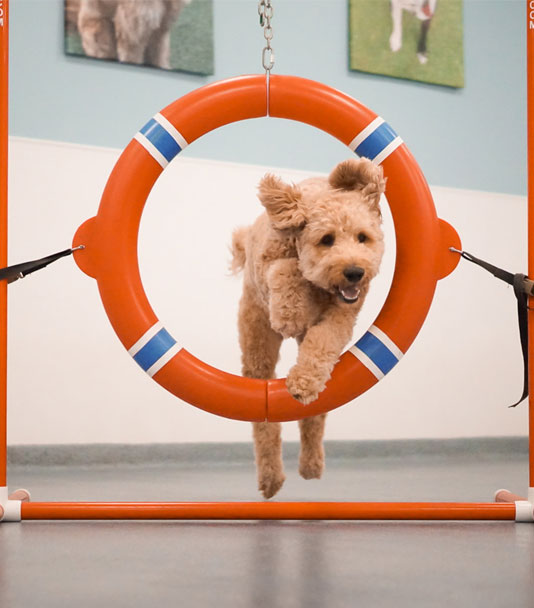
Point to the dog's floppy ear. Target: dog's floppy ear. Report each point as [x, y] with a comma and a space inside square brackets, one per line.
[283, 203]
[360, 175]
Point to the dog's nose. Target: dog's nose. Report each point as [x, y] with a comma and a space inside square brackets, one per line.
[353, 273]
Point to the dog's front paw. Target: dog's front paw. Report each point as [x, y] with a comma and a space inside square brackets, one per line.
[287, 328]
[304, 386]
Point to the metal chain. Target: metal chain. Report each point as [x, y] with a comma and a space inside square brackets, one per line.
[265, 11]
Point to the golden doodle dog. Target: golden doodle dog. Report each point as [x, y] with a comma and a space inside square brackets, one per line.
[132, 31]
[308, 261]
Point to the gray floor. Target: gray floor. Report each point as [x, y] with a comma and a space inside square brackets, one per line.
[272, 564]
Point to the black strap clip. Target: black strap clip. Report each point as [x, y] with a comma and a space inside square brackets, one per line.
[19, 271]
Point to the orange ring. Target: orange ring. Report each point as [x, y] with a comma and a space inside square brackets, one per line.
[110, 240]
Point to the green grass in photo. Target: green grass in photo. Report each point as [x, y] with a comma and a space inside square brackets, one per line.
[370, 29]
[192, 39]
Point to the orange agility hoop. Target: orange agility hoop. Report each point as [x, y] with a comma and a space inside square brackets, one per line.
[110, 239]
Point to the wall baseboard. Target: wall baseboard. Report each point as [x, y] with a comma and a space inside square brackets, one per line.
[198, 454]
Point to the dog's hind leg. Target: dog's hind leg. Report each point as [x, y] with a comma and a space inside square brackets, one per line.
[260, 347]
[268, 449]
[311, 460]
[260, 344]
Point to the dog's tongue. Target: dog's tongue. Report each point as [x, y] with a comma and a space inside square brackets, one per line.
[351, 292]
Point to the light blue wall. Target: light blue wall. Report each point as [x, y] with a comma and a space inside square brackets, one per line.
[471, 138]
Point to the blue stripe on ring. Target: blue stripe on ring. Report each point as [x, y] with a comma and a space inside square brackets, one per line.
[378, 352]
[376, 142]
[161, 139]
[154, 349]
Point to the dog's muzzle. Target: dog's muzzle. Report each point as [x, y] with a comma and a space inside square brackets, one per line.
[349, 294]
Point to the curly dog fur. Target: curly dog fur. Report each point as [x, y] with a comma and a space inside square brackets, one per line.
[307, 261]
[132, 31]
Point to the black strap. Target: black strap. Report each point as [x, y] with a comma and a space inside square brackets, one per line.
[522, 316]
[19, 271]
[499, 273]
[518, 283]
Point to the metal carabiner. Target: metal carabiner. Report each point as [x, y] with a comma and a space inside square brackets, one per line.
[267, 58]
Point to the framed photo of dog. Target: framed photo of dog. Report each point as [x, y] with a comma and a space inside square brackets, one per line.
[412, 39]
[166, 34]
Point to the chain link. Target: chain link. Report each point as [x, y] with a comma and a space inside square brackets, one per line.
[265, 11]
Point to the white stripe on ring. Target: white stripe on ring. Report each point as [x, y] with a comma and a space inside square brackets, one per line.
[154, 369]
[151, 149]
[369, 364]
[145, 338]
[363, 135]
[387, 341]
[171, 130]
[389, 149]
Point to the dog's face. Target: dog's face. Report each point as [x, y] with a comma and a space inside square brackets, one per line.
[341, 245]
[336, 224]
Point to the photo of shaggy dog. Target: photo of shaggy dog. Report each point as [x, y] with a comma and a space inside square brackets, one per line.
[308, 262]
[424, 11]
[131, 31]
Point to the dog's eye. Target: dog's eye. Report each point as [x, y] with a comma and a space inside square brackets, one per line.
[328, 240]
[362, 237]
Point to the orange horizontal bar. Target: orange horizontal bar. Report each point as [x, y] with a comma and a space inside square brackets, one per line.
[268, 510]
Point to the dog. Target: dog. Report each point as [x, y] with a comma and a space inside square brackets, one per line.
[423, 10]
[131, 31]
[308, 261]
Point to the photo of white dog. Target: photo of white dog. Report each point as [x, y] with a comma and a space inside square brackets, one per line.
[419, 40]
[424, 11]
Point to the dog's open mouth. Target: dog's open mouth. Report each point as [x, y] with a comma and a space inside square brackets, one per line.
[349, 294]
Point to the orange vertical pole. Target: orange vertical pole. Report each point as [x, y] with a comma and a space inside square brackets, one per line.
[530, 156]
[4, 50]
